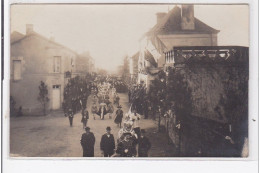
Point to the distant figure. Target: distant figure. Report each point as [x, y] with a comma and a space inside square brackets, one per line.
[117, 100]
[94, 99]
[87, 142]
[144, 145]
[94, 110]
[107, 144]
[102, 111]
[85, 117]
[135, 117]
[110, 109]
[20, 111]
[119, 116]
[70, 115]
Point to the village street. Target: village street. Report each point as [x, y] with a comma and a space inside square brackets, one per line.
[51, 136]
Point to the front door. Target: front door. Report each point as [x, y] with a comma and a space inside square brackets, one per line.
[56, 97]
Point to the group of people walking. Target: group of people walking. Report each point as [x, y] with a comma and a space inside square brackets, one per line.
[76, 94]
[125, 148]
[131, 140]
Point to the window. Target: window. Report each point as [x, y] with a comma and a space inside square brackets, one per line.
[57, 64]
[17, 69]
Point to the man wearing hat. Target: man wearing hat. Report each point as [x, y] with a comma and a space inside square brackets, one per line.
[87, 142]
[107, 143]
[119, 116]
[144, 145]
[70, 115]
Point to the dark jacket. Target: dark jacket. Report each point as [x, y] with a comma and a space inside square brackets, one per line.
[119, 116]
[107, 144]
[87, 142]
[85, 116]
[126, 148]
[144, 146]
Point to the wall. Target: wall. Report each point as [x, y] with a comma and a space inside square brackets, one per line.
[37, 59]
[211, 100]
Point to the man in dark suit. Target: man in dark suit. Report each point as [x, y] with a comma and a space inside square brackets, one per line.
[87, 142]
[144, 145]
[119, 116]
[107, 143]
[70, 115]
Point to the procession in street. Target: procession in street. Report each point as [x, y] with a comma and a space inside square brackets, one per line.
[109, 125]
[130, 138]
[134, 81]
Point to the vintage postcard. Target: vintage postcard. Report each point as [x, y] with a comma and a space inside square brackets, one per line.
[129, 80]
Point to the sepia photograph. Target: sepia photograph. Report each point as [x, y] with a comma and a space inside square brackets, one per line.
[129, 80]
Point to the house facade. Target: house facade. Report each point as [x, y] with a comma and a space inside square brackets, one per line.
[178, 27]
[35, 58]
[84, 63]
[133, 67]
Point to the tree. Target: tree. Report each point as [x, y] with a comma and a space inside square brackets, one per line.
[43, 96]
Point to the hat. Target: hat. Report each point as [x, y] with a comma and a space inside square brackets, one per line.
[108, 128]
[87, 128]
[119, 106]
[142, 131]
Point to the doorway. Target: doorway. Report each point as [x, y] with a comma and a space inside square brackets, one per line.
[56, 94]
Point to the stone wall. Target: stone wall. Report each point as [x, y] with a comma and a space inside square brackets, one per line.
[213, 100]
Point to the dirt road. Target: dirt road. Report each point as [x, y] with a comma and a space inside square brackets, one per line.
[51, 136]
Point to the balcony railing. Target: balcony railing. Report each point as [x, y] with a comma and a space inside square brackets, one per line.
[208, 54]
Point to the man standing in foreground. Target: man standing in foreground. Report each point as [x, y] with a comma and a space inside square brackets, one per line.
[87, 142]
[144, 145]
[107, 143]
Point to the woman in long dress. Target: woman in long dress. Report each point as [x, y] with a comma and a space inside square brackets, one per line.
[102, 111]
[110, 109]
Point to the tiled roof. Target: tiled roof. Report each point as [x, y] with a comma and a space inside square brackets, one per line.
[15, 36]
[171, 24]
[39, 36]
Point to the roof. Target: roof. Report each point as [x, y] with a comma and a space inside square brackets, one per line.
[135, 57]
[171, 24]
[39, 36]
[149, 57]
[15, 36]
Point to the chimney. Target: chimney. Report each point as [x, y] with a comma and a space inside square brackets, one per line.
[160, 16]
[187, 17]
[29, 28]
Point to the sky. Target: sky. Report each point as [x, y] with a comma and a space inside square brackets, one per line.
[111, 32]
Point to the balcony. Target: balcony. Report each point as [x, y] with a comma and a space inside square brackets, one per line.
[235, 55]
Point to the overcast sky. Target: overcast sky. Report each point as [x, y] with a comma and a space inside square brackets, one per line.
[110, 32]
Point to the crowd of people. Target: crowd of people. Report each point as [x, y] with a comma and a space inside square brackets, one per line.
[130, 141]
[76, 93]
[140, 100]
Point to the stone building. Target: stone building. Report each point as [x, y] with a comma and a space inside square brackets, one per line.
[84, 63]
[35, 58]
[133, 67]
[210, 94]
[178, 27]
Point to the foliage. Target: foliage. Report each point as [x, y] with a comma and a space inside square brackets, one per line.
[43, 95]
